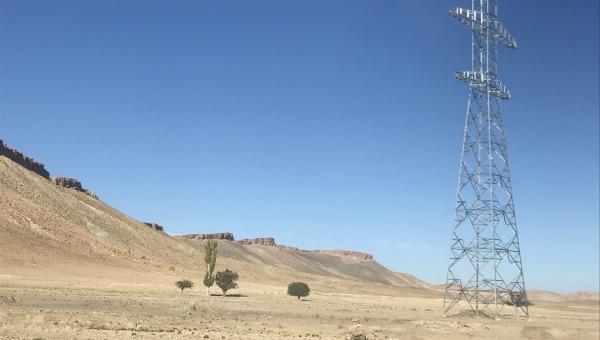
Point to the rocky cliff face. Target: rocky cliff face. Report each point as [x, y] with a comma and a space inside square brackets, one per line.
[37, 167]
[72, 184]
[154, 226]
[67, 183]
[24, 161]
[265, 241]
[216, 236]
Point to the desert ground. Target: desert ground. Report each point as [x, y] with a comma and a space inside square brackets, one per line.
[149, 306]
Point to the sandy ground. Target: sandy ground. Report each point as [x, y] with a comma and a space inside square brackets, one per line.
[155, 309]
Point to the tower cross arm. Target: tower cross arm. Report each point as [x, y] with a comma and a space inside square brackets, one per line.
[476, 20]
[479, 81]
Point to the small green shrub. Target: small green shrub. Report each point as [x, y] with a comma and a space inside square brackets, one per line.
[183, 284]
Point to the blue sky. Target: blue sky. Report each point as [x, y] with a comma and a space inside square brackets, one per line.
[325, 124]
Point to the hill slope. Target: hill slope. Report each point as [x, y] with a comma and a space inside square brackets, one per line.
[43, 224]
[60, 231]
[320, 264]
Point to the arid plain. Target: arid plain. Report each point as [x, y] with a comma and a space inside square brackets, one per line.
[72, 267]
[150, 307]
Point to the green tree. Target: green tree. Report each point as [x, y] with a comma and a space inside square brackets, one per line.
[183, 284]
[299, 289]
[210, 260]
[226, 280]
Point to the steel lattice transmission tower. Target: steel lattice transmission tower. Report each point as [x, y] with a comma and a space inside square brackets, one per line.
[485, 270]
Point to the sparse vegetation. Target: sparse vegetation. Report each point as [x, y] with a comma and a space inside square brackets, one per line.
[226, 280]
[183, 284]
[298, 289]
[210, 260]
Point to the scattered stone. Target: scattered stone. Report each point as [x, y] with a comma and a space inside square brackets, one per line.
[356, 332]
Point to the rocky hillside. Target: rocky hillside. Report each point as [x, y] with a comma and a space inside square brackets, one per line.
[47, 225]
[338, 264]
[270, 242]
[23, 160]
[39, 169]
[58, 228]
[73, 184]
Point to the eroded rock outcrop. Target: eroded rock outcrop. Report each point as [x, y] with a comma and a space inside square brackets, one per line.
[264, 241]
[67, 183]
[154, 226]
[38, 168]
[215, 236]
[24, 161]
[72, 184]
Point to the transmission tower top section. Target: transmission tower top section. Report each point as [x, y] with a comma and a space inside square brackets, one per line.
[488, 32]
[484, 21]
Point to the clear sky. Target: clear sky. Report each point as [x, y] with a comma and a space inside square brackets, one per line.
[324, 124]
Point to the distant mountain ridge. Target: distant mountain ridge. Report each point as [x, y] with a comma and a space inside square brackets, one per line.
[270, 242]
[544, 295]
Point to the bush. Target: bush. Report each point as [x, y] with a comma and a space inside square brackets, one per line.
[183, 284]
[226, 280]
[298, 289]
